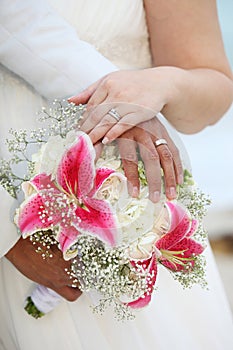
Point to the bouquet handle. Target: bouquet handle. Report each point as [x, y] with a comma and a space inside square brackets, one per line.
[42, 301]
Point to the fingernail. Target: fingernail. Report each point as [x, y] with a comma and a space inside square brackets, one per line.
[180, 179]
[105, 140]
[172, 192]
[135, 192]
[155, 197]
[69, 98]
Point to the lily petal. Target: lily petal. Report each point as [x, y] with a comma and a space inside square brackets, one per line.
[42, 181]
[67, 236]
[181, 261]
[193, 228]
[98, 219]
[145, 299]
[76, 170]
[178, 233]
[34, 215]
[190, 246]
[177, 213]
[102, 174]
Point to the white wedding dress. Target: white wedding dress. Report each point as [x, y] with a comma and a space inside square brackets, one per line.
[193, 319]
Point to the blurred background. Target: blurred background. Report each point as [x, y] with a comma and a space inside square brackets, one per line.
[211, 154]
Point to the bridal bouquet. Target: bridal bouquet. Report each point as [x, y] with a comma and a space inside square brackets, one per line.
[115, 243]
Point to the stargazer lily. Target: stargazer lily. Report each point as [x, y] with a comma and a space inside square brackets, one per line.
[176, 250]
[66, 201]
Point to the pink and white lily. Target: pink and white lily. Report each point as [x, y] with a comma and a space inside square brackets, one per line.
[66, 201]
[176, 250]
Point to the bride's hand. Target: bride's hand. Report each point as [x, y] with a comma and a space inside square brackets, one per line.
[136, 96]
[50, 272]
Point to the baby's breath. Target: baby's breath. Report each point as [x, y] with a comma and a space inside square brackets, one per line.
[108, 271]
[58, 120]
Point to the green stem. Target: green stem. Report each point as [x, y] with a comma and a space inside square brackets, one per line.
[31, 309]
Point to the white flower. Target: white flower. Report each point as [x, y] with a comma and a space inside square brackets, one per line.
[136, 216]
[113, 188]
[111, 163]
[50, 154]
[143, 247]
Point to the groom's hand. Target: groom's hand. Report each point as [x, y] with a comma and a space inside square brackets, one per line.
[155, 158]
[50, 272]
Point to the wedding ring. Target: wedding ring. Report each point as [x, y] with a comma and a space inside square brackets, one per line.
[113, 113]
[160, 142]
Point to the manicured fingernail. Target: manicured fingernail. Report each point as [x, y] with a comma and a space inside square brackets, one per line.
[135, 192]
[180, 179]
[155, 197]
[172, 192]
[70, 98]
[105, 140]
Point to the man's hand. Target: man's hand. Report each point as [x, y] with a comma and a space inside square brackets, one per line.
[49, 272]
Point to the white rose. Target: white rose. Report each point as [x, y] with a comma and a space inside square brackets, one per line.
[144, 246]
[113, 188]
[50, 154]
[136, 216]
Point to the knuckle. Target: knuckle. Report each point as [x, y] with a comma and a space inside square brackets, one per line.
[154, 182]
[72, 296]
[108, 83]
[119, 95]
[152, 156]
[129, 158]
[94, 117]
[179, 168]
[132, 178]
[166, 155]
[176, 152]
[170, 180]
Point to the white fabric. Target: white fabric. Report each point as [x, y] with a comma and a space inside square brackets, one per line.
[177, 319]
[32, 33]
[45, 299]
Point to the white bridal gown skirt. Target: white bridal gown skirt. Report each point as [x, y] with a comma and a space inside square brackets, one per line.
[176, 318]
[194, 319]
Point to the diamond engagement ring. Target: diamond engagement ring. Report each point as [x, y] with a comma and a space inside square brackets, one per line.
[113, 113]
[160, 142]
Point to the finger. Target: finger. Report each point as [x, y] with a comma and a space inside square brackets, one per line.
[93, 116]
[152, 165]
[102, 128]
[69, 293]
[167, 164]
[127, 149]
[179, 172]
[127, 122]
[85, 95]
[177, 163]
[98, 150]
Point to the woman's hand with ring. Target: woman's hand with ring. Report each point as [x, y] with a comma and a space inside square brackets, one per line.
[136, 96]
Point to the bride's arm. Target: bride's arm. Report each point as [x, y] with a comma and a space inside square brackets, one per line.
[191, 82]
[186, 35]
[41, 47]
